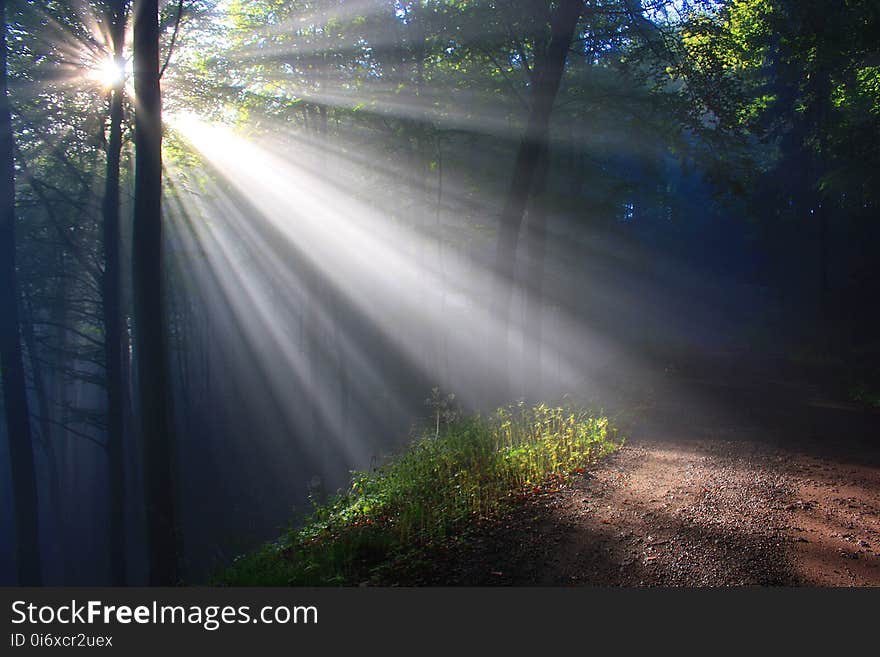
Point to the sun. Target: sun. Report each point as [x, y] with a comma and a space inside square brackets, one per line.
[108, 73]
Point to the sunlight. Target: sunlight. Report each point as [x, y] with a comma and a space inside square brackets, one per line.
[108, 73]
[427, 302]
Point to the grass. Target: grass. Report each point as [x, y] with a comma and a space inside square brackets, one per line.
[460, 472]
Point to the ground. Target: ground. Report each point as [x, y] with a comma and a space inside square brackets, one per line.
[733, 476]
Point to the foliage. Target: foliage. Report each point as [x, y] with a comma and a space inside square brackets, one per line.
[474, 467]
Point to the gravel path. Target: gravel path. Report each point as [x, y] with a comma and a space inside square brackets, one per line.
[666, 514]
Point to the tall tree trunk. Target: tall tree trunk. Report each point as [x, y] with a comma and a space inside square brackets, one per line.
[336, 304]
[151, 353]
[111, 295]
[547, 77]
[823, 212]
[536, 241]
[47, 440]
[58, 391]
[318, 437]
[21, 454]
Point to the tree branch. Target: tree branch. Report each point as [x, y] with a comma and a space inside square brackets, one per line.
[173, 39]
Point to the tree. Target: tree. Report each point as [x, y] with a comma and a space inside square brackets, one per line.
[547, 76]
[21, 453]
[801, 79]
[150, 349]
[111, 298]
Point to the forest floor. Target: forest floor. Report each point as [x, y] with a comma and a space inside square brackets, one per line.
[733, 475]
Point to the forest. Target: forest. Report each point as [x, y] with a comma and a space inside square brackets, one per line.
[400, 291]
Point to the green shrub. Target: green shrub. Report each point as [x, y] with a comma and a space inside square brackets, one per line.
[468, 469]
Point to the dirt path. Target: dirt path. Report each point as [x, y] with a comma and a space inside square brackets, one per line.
[718, 513]
[776, 488]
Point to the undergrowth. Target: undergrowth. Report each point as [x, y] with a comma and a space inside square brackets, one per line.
[468, 469]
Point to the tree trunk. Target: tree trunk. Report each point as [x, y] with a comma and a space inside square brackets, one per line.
[53, 485]
[336, 304]
[547, 77]
[151, 354]
[21, 454]
[58, 391]
[112, 306]
[536, 241]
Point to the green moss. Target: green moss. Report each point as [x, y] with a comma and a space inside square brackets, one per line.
[471, 468]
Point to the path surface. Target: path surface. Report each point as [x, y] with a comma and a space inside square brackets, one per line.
[743, 478]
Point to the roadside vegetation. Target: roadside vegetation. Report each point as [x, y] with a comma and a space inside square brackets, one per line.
[458, 472]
